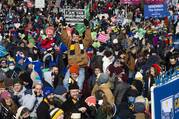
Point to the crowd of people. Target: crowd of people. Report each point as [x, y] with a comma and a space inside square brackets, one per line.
[103, 72]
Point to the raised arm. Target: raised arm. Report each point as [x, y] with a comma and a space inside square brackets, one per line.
[65, 37]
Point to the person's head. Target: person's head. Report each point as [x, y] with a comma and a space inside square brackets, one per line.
[57, 113]
[55, 70]
[2, 87]
[6, 97]
[23, 113]
[172, 60]
[17, 86]
[4, 63]
[48, 93]
[74, 90]
[74, 71]
[11, 65]
[75, 35]
[38, 89]
[155, 70]
[97, 70]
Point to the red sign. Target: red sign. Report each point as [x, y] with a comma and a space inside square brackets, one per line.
[154, 1]
[50, 31]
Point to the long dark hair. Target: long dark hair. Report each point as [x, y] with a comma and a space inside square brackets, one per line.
[12, 108]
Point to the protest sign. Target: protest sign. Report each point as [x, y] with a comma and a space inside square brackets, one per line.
[73, 16]
[39, 3]
[154, 1]
[155, 11]
[165, 100]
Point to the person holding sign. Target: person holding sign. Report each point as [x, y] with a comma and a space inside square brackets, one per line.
[77, 46]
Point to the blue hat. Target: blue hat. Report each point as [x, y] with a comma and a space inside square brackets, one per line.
[47, 91]
[60, 90]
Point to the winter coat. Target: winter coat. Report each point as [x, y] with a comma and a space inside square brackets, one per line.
[107, 91]
[43, 111]
[106, 63]
[77, 57]
[17, 96]
[69, 107]
[119, 91]
[147, 86]
[33, 101]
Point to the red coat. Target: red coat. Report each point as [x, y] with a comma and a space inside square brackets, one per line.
[47, 43]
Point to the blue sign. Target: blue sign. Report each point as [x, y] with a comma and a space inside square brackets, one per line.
[155, 11]
[165, 100]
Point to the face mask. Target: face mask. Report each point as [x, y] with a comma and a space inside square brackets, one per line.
[131, 99]
[11, 67]
[5, 69]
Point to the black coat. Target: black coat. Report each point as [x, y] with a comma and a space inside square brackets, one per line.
[69, 107]
[43, 111]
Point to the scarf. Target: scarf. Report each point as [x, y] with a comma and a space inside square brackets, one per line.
[72, 47]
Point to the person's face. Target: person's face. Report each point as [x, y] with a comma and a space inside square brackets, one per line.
[74, 93]
[97, 71]
[152, 71]
[8, 101]
[50, 98]
[38, 90]
[75, 37]
[2, 90]
[172, 61]
[11, 66]
[17, 87]
[25, 115]
[74, 75]
[3, 64]
[55, 70]
[35, 51]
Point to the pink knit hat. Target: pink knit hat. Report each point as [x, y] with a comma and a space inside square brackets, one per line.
[5, 95]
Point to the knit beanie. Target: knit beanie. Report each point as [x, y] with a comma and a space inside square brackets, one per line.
[74, 69]
[73, 86]
[60, 90]
[5, 95]
[15, 81]
[103, 78]
[55, 113]
[157, 68]
[47, 91]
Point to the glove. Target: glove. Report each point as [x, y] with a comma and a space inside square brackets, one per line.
[86, 22]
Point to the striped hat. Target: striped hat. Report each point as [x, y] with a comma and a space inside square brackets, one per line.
[55, 113]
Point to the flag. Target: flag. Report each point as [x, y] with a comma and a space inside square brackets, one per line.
[87, 11]
[80, 28]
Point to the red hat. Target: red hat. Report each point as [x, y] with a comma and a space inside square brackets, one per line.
[157, 68]
[74, 69]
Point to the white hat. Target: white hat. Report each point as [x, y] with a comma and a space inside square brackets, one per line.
[76, 116]
[18, 114]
